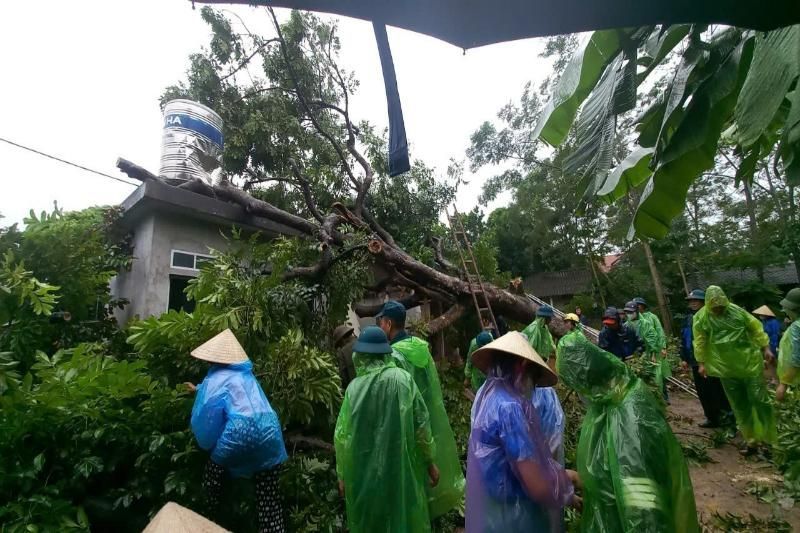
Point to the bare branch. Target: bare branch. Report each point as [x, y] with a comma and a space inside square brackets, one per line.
[377, 228]
[305, 186]
[439, 257]
[290, 68]
[135, 171]
[248, 59]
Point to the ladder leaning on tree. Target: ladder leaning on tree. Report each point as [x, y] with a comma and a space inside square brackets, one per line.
[470, 270]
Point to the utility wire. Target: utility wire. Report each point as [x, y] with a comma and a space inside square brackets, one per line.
[12, 143]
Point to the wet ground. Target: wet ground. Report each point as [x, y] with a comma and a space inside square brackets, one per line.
[729, 483]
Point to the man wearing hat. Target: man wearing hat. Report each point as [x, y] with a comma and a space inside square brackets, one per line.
[343, 341]
[709, 389]
[730, 343]
[789, 352]
[772, 327]
[634, 474]
[512, 477]
[618, 338]
[384, 446]
[413, 355]
[233, 420]
[473, 377]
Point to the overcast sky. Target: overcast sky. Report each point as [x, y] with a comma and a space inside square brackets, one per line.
[81, 80]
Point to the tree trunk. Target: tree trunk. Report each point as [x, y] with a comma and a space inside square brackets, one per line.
[666, 319]
[754, 245]
[683, 275]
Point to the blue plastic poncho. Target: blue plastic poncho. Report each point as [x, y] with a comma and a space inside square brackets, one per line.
[506, 436]
[233, 420]
[553, 421]
[551, 414]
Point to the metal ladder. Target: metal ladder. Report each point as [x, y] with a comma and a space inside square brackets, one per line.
[470, 268]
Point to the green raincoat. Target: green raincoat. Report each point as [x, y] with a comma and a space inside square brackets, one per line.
[472, 373]
[540, 338]
[789, 355]
[414, 356]
[730, 346]
[649, 329]
[383, 446]
[634, 474]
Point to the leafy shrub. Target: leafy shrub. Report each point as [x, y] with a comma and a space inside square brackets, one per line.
[85, 437]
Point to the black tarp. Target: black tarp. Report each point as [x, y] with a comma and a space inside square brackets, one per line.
[471, 23]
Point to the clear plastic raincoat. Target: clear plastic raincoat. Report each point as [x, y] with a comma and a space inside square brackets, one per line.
[413, 355]
[634, 474]
[233, 420]
[507, 438]
[729, 345]
[383, 446]
[789, 355]
[547, 405]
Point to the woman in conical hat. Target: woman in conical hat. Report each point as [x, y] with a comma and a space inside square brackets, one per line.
[513, 481]
[233, 420]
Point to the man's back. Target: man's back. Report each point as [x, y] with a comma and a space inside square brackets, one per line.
[381, 451]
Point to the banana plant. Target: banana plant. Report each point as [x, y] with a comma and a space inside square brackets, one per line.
[726, 83]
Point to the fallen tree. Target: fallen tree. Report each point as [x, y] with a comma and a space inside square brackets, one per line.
[318, 156]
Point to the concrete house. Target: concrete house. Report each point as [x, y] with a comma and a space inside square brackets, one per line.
[174, 231]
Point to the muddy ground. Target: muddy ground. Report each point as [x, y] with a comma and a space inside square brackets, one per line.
[730, 483]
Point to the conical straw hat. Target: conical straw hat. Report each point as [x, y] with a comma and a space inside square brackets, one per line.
[224, 349]
[764, 311]
[172, 518]
[515, 344]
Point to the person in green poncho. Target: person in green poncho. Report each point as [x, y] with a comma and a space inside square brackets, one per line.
[413, 355]
[473, 377]
[634, 475]
[648, 327]
[384, 446]
[730, 343]
[539, 336]
[789, 349]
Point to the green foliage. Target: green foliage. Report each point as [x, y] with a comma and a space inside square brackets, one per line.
[737, 524]
[21, 293]
[59, 265]
[86, 437]
[302, 379]
[719, 82]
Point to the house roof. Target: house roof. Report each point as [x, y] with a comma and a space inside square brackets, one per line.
[561, 283]
[775, 275]
[471, 23]
[153, 196]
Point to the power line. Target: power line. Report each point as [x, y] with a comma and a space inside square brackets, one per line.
[12, 143]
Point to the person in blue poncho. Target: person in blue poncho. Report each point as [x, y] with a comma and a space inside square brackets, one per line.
[233, 421]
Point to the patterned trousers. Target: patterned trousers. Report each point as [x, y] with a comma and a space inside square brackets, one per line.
[268, 500]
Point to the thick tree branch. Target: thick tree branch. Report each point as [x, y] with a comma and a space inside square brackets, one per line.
[439, 257]
[446, 319]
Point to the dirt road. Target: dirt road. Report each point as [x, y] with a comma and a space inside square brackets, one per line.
[730, 484]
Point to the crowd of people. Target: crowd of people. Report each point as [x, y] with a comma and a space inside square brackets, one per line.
[396, 457]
